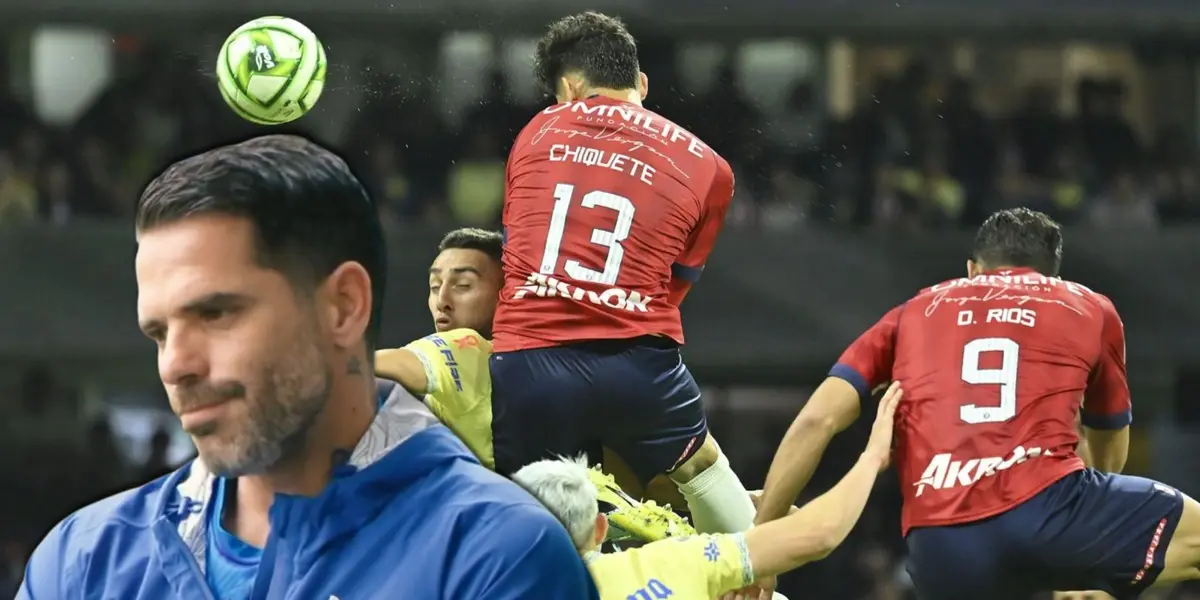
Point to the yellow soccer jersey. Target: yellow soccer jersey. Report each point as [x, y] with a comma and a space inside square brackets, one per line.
[700, 567]
[460, 386]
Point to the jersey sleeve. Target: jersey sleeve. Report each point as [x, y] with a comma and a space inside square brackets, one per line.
[1106, 402]
[673, 565]
[867, 363]
[459, 385]
[451, 360]
[690, 264]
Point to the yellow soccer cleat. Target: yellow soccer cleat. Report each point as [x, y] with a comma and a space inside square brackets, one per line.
[634, 520]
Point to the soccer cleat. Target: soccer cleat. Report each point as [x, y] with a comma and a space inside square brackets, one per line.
[634, 520]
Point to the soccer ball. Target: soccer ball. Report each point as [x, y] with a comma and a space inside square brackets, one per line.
[271, 70]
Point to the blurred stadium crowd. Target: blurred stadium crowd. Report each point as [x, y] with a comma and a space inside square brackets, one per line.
[917, 153]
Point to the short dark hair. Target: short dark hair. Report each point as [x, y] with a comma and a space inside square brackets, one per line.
[596, 46]
[490, 243]
[310, 213]
[1019, 237]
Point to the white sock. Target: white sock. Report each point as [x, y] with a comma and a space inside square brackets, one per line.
[718, 501]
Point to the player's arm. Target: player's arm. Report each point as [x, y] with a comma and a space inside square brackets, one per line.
[834, 405]
[404, 366]
[431, 364]
[519, 552]
[1107, 408]
[819, 527]
[688, 266]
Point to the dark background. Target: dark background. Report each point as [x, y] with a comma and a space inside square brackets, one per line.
[868, 138]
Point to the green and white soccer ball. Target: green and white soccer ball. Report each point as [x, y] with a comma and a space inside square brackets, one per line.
[271, 70]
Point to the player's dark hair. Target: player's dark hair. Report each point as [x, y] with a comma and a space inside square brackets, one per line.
[596, 46]
[1019, 237]
[490, 243]
[310, 213]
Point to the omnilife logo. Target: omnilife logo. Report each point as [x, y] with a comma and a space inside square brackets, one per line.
[617, 298]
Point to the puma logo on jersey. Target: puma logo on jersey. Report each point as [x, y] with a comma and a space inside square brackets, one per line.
[944, 472]
[548, 287]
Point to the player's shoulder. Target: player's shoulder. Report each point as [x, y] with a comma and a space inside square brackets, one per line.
[1104, 302]
[462, 338]
[491, 501]
[469, 487]
[120, 519]
[116, 535]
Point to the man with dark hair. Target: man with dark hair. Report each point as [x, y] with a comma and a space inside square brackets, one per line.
[260, 272]
[997, 502]
[610, 214]
[465, 279]
[1020, 237]
[595, 50]
[490, 243]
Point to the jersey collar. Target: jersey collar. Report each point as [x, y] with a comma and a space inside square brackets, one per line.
[1010, 271]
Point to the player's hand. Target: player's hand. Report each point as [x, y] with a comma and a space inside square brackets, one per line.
[879, 447]
[756, 497]
[763, 589]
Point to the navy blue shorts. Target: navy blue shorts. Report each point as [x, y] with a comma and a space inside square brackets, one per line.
[1087, 531]
[635, 397]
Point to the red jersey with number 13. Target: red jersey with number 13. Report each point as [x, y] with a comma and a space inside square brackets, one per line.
[994, 370]
[610, 213]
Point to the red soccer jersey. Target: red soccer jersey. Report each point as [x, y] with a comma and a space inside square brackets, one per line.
[994, 370]
[610, 212]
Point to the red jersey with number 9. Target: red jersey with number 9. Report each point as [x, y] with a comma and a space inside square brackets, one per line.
[610, 212]
[995, 369]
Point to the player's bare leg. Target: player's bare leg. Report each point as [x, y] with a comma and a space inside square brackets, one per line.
[660, 489]
[718, 501]
[664, 491]
[1182, 561]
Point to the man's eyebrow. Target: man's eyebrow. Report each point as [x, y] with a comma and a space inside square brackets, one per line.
[217, 300]
[454, 270]
[214, 301]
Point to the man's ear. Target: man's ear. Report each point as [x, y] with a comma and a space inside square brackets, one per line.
[571, 88]
[347, 297]
[601, 528]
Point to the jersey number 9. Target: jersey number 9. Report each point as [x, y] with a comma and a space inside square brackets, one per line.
[563, 193]
[1005, 377]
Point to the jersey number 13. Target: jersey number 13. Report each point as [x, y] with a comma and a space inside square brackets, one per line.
[621, 205]
[1005, 377]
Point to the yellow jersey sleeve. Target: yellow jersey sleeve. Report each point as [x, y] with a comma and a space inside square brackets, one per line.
[696, 567]
[459, 389]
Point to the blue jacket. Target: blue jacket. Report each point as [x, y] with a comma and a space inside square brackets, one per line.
[412, 514]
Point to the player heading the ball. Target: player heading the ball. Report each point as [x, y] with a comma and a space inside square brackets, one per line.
[610, 213]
